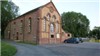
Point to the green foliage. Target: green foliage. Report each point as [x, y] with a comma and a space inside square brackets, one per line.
[27, 42]
[8, 11]
[7, 50]
[75, 23]
[95, 33]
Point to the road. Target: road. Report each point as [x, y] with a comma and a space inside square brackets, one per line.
[81, 49]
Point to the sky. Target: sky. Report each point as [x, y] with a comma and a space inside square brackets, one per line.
[89, 8]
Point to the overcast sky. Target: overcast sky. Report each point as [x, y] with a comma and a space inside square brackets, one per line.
[90, 8]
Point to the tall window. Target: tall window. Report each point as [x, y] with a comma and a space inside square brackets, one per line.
[54, 18]
[14, 22]
[14, 27]
[21, 26]
[48, 16]
[51, 28]
[44, 24]
[29, 24]
[57, 27]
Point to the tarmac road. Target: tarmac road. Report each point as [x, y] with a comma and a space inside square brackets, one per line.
[81, 49]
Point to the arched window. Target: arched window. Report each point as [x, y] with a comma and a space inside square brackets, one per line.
[21, 26]
[14, 22]
[29, 24]
[51, 28]
[14, 26]
[54, 18]
[44, 24]
[48, 16]
[57, 27]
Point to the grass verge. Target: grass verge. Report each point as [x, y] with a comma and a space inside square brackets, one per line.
[7, 49]
[27, 43]
[94, 40]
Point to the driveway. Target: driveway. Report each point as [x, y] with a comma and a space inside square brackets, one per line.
[82, 49]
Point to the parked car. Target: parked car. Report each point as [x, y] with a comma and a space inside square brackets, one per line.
[80, 40]
[72, 40]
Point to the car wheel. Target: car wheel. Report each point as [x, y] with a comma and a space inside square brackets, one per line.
[81, 41]
[65, 41]
[77, 42]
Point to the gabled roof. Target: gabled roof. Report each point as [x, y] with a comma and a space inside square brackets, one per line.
[53, 5]
[33, 10]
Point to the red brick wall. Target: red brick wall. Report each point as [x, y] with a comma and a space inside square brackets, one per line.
[25, 35]
[35, 36]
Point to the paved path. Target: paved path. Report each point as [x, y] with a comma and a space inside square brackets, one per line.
[82, 49]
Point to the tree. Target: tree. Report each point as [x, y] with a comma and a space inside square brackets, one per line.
[75, 23]
[8, 11]
[95, 33]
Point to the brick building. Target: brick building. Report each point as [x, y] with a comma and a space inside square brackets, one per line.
[41, 25]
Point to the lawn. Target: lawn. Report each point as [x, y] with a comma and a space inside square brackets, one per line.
[94, 40]
[7, 49]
